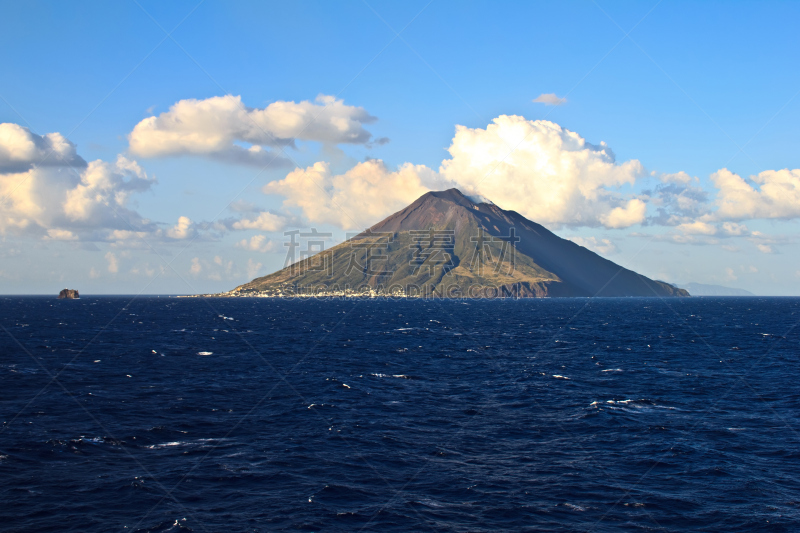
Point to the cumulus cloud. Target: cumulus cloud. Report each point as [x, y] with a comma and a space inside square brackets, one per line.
[701, 217]
[64, 202]
[550, 99]
[103, 188]
[264, 221]
[543, 171]
[184, 229]
[219, 126]
[359, 197]
[49, 192]
[196, 267]
[60, 235]
[21, 150]
[777, 195]
[733, 229]
[698, 228]
[548, 174]
[622, 217]
[771, 194]
[678, 177]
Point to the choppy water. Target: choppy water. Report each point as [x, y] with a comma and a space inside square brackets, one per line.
[561, 415]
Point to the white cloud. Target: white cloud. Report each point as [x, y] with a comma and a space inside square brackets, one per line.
[65, 199]
[21, 150]
[681, 178]
[196, 267]
[358, 198]
[113, 264]
[258, 243]
[184, 229]
[265, 221]
[544, 172]
[103, 188]
[548, 174]
[698, 228]
[93, 274]
[734, 229]
[623, 217]
[772, 194]
[60, 235]
[550, 99]
[729, 275]
[600, 246]
[216, 126]
[777, 195]
[68, 199]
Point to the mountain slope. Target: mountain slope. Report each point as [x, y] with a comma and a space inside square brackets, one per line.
[445, 244]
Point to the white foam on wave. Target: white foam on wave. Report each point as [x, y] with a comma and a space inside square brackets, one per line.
[559, 376]
[630, 405]
[166, 445]
[205, 353]
[400, 376]
[574, 507]
[173, 444]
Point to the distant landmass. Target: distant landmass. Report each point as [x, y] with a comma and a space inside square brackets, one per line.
[446, 244]
[701, 289]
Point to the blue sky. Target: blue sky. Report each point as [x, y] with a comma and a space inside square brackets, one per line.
[675, 86]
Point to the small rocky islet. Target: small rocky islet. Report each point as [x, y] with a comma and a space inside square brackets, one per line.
[68, 294]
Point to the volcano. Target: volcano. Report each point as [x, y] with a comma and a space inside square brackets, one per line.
[446, 244]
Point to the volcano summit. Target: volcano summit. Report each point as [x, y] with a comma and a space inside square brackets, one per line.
[448, 245]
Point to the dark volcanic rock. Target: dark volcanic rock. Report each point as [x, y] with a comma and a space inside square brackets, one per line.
[446, 245]
[68, 294]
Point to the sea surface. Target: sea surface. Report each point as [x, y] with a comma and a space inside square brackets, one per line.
[234, 415]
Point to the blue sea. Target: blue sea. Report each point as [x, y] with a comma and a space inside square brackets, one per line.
[240, 415]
